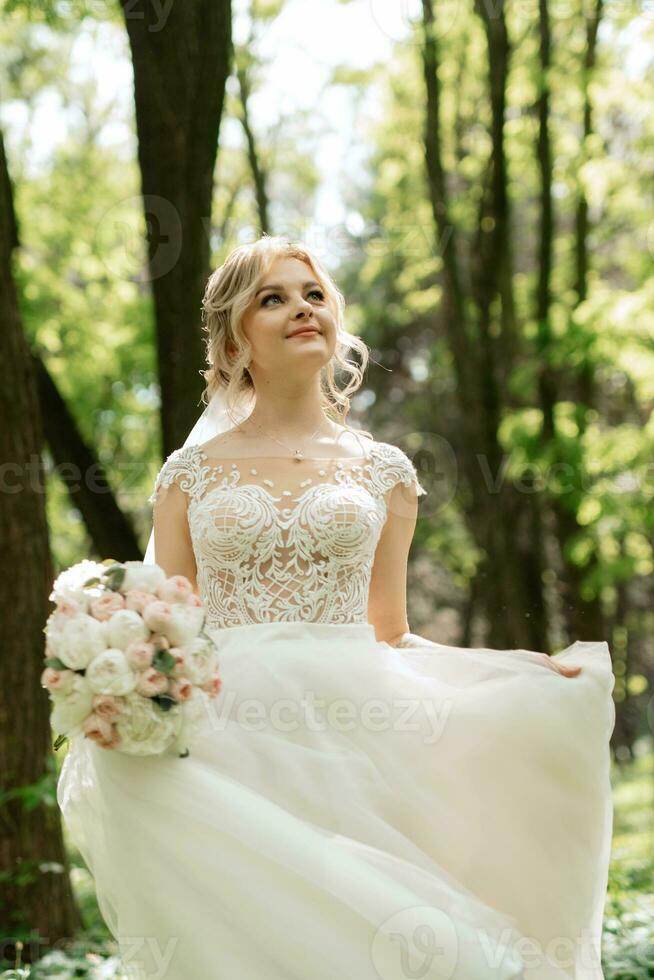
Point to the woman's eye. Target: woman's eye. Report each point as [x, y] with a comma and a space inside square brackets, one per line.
[314, 292]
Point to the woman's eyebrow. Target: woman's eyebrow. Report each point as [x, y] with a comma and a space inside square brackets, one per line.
[311, 282]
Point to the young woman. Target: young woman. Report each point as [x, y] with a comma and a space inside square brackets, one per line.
[364, 803]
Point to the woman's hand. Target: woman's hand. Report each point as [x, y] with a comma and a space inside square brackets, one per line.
[566, 671]
[414, 640]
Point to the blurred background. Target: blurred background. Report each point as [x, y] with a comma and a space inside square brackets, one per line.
[478, 175]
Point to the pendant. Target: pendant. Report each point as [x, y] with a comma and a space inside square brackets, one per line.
[298, 454]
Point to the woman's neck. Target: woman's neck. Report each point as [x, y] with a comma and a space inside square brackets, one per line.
[290, 419]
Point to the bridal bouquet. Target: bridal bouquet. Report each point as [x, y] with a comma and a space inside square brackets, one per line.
[127, 660]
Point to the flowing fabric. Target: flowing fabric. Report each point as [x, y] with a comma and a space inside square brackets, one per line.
[356, 810]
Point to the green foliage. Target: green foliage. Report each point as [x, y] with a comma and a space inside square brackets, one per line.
[42, 792]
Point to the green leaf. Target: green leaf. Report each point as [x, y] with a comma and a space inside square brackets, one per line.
[164, 701]
[115, 576]
[163, 661]
[55, 663]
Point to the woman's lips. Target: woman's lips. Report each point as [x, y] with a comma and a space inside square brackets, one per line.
[304, 333]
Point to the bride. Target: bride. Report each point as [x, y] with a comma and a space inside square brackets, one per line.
[363, 803]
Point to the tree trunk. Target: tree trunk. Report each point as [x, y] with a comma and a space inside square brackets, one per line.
[85, 478]
[583, 615]
[180, 70]
[37, 905]
[509, 578]
[258, 173]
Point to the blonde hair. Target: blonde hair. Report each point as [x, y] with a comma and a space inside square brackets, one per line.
[229, 292]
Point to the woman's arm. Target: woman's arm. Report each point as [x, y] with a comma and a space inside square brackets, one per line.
[172, 537]
[387, 597]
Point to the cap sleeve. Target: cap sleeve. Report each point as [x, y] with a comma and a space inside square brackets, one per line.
[394, 466]
[179, 468]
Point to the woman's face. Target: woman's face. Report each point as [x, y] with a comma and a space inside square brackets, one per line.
[289, 298]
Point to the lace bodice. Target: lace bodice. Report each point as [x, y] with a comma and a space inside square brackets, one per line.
[295, 542]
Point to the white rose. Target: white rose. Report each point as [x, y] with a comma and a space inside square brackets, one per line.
[70, 711]
[111, 673]
[69, 584]
[144, 728]
[185, 624]
[200, 661]
[125, 627]
[143, 578]
[75, 639]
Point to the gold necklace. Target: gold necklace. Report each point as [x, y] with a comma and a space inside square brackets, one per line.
[297, 453]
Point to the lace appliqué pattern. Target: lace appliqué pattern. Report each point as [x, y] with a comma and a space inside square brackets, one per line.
[265, 556]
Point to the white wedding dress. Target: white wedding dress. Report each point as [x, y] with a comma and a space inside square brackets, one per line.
[352, 810]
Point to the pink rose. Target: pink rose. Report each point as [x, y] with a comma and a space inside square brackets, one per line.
[181, 689]
[159, 641]
[137, 600]
[151, 682]
[212, 686]
[57, 681]
[101, 731]
[107, 706]
[104, 607]
[140, 653]
[177, 588]
[157, 616]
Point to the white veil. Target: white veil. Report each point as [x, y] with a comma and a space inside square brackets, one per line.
[214, 420]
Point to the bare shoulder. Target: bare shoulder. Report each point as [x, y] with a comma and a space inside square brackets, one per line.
[231, 444]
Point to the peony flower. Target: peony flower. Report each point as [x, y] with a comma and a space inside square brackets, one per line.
[69, 584]
[194, 600]
[110, 673]
[101, 731]
[177, 588]
[141, 578]
[107, 706]
[201, 661]
[144, 729]
[157, 616]
[193, 712]
[185, 624]
[137, 600]
[70, 710]
[125, 627]
[139, 655]
[212, 686]
[106, 605]
[68, 607]
[180, 689]
[58, 682]
[180, 661]
[151, 682]
[159, 641]
[74, 639]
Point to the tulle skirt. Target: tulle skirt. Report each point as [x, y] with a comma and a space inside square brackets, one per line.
[353, 811]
